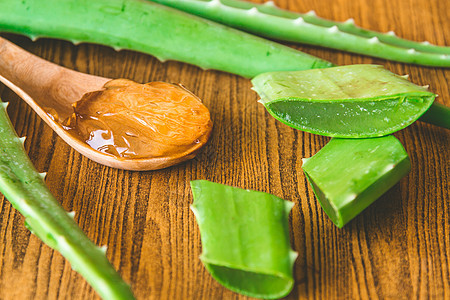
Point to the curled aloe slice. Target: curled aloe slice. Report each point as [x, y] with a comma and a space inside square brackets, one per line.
[245, 239]
[347, 175]
[354, 101]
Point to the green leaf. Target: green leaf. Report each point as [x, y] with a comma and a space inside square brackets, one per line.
[438, 114]
[354, 101]
[24, 187]
[245, 238]
[270, 21]
[147, 27]
[347, 175]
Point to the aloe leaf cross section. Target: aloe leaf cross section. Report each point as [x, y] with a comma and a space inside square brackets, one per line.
[356, 101]
[245, 239]
[347, 175]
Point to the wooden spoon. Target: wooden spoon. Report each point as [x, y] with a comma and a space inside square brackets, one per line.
[43, 84]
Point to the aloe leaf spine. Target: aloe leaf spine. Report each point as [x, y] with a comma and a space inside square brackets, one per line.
[269, 21]
[151, 28]
[25, 188]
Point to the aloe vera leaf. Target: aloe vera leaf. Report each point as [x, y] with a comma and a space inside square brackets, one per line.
[347, 175]
[354, 101]
[24, 187]
[348, 26]
[245, 239]
[242, 14]
[155, 29]
[159, 31]
[259, 17]
[270, 21]
[438, 114]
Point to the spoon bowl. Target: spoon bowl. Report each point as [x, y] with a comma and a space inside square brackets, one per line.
[45, 85]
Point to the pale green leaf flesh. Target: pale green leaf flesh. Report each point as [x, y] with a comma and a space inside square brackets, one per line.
[354, 101]
[347, 175]
[245, 239]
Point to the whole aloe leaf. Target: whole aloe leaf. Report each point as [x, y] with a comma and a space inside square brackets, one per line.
[24, 187]
[155, 29]
[245, 239]
[351, 101]
[347, 175]
[269, 21]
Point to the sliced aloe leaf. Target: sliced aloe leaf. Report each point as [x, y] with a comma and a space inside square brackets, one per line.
[354, 101]
[245, 239]
[347, 175]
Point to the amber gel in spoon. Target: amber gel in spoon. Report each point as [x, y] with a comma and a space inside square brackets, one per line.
[131, 120]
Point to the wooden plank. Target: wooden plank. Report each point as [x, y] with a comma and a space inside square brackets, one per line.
[399, 248]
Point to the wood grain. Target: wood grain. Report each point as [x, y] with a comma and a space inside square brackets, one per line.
[399, 248]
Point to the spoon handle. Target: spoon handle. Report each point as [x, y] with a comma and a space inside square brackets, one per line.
[42, 83]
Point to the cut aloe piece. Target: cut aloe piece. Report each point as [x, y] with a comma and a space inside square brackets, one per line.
[354, 101]
[347, 175]
[245, 239]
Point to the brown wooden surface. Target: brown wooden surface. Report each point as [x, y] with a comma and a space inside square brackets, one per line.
[399, 248]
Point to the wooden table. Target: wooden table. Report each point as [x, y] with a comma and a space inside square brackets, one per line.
[398, 248]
